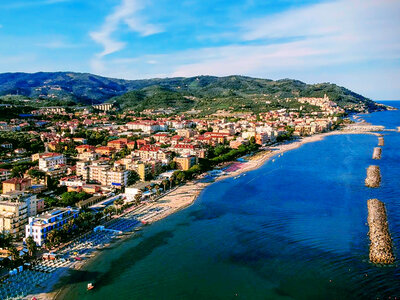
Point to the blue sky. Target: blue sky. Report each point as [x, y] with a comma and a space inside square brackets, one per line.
[354, 43]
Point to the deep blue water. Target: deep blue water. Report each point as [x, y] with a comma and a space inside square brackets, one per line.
[293, 229]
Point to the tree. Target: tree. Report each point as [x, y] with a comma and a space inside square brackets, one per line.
[180, 176]
[5, 240]
[50, 202]
[19, 170]
[71, 198]
[138, 197]
[133, 177]
[157, 187]
[31, 245]
[172, 165]
[38, 174]
[164, 183]
[14, 252]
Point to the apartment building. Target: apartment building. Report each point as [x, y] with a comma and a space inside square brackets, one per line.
[31, 200]
[186, 162]
[13, 216]
[4, 174]
[51, 161]
[39, 227]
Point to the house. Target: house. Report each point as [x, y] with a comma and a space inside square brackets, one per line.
[16, 184]
[4, 174]
[6, 145]
[118, 144]
[85, 148]
[105, 150]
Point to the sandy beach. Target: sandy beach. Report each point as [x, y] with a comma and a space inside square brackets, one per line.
[183, 196]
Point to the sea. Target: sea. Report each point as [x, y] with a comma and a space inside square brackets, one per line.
[296, 228]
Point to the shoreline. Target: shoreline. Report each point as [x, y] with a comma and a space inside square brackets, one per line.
[184, 196]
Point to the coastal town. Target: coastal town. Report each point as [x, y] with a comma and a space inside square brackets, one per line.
[89, 176]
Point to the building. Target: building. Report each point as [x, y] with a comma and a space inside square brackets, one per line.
[102, 172]
[147, 126]
[4, 174]
[150, 152]
[51, 161]
[39, 227]
[13, 217]
[117, 178]
[16, 184]
[31, 200]
[118, 144]
[105, 150]
[130, 193]
[186, 162]
[71, 181]
[103, 107]
[85, 148]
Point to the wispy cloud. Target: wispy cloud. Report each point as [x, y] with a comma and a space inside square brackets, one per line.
[308, 43]
[124, 14]
[325, 34]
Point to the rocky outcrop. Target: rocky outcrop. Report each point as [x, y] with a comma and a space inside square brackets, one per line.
[377, 153]
[380, 249]
[373, 177]
[381, 141]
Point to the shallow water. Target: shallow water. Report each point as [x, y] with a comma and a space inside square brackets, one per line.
[293, 229]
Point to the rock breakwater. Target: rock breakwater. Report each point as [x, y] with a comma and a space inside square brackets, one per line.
[380, 250]
[373, 177]
[377, 153]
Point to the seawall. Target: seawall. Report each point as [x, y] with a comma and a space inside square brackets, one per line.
[380, 249]
[373, 177]
[377, 153]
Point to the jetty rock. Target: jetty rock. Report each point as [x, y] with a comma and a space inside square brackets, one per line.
[377, 153]
[373, 177]
[381, 247]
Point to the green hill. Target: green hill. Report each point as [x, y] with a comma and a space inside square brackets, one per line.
[207, 93]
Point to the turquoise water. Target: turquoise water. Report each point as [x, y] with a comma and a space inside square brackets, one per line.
[293, 229]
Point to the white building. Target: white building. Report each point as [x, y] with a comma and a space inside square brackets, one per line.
[103, 173]
[38, 227]
[147, 126]
[130, 193]
[50, 161]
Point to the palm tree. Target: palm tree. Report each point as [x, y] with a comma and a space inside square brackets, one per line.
[138, 197]
[118, 203]
[164, 183]
[157, 187]
[31, 245]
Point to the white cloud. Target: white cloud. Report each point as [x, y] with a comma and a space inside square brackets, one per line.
[330, 35]
[316, 43]
[125, 13]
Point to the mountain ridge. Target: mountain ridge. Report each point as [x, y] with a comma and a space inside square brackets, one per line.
[228, 92]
